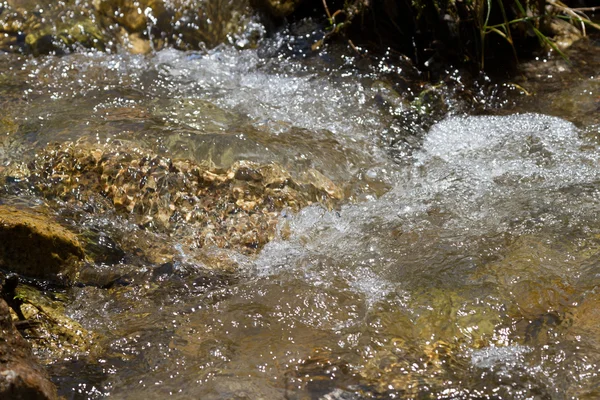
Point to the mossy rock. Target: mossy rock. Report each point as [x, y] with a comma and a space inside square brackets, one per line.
[55, 335]
[56, 38]
[34, 245]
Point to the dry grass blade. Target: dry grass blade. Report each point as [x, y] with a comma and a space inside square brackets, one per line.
[575, 14]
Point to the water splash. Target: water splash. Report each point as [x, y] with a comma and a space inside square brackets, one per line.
[474, 177]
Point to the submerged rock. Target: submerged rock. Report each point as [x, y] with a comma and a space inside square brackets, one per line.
[184, 24]
[234, 208]
[55, 335]
[585, 318]
[34, 245]
[21, 377]
[58, 27]
[50, 27]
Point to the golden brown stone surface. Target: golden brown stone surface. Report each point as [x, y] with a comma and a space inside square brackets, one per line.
[34, 245]
[233, 208]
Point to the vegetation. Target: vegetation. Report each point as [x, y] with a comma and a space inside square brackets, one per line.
[481, 33]
[471, 31]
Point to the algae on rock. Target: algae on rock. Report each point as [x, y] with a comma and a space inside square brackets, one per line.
[55, 335]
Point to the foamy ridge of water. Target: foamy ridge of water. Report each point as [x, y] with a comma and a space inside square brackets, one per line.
[474, 176]
[239, 80]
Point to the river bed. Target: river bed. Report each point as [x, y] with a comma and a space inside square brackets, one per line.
[460, 260]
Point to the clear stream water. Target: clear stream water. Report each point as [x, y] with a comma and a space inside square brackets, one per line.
[464, 262]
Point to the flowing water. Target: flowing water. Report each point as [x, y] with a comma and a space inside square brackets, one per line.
[463, 261]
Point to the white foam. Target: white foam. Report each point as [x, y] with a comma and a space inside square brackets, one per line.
[240, 80]
[474, 177]
[503, 358]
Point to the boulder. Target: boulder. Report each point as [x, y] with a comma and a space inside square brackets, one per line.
[33, 245]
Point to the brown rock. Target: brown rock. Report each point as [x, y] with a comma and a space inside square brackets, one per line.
[21, 377]
[184, 24]
[586, 318]
[278, 8]
[235, 208]
[49, 27]
[133, 16]
[33, 245]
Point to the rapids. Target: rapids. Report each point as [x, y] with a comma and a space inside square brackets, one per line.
[462, 262]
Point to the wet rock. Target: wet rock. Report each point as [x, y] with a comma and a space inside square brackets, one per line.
[51, 27]
[21, 377]
[585, 318]
[541, 296]
[59, 27]
[242, 388]
[564, 88]
[184, 24]
[278, 8]
[409, 353]
[102, 248]
[565, 34]
[422, 350]
[234, 208]
[137, 44]
[54, 335]
[321, 185]
[392, 371]
[58, 38]
[34, 245]
[533, 70]
[532, 275]
[389, 97]
[133, 16]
